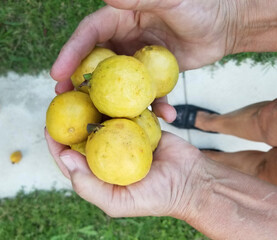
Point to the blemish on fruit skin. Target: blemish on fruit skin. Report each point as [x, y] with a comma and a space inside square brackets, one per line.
[71, 130]
[120, 125]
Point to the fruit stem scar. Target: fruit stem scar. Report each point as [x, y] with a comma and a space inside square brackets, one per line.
[94, 127]
[84, 83]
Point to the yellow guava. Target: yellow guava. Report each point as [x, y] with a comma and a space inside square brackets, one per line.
[162, 66]
[80, 147]
[119, 152]
[121, 87]
[88, 65]
[68, 115]
[150, 124]
[16, 157]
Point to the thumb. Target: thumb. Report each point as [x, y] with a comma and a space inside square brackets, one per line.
[142, 4]
[164, 110]
[84, 182]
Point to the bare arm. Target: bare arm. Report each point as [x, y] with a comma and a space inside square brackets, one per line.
[227, 204]
[257, 28]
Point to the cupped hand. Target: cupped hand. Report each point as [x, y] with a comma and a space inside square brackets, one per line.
[163, 192]
[197, 32]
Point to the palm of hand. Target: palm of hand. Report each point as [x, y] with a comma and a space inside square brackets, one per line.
[193, 30]
[158, 194]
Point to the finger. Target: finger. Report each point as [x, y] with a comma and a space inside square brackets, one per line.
[64, 86]
[95, 28]
[142, 4]
[84, 182]
[56, 149]
[74, 166]
[164, 110]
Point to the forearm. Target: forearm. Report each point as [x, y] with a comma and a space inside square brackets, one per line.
[257, 26]
[226, 204]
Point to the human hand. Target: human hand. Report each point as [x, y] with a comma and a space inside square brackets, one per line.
[183, 184]
[163, 192]
[196, 32]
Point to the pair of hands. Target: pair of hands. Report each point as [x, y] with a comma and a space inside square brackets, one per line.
[198, 33]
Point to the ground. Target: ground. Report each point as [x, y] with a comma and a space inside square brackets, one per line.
[24, 100]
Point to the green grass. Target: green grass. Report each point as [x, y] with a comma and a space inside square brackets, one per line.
[267, 58]
[32, 33]
[62, 215]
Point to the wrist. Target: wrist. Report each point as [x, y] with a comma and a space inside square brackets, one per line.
[192, 192]
[224, 202]
[255, 26]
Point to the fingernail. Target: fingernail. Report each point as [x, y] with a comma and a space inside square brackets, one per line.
[68, 162]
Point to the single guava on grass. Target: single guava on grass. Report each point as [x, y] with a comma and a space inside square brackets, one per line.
[16, 157]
